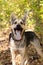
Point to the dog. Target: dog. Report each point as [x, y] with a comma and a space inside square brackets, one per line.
[20, 39]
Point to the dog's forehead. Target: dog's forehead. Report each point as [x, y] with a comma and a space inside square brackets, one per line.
[18, 20]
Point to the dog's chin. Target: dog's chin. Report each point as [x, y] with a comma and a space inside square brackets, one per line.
[18, 35]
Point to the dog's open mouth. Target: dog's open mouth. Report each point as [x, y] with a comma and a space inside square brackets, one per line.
[18, 33]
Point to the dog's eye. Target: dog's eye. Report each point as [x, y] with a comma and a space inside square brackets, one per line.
[15, 22]
[21, 22]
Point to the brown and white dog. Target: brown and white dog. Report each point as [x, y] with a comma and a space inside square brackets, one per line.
[20, 40]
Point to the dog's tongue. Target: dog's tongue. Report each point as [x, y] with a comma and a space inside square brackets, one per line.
[18, 35]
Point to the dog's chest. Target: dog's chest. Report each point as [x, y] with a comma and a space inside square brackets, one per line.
[17, 45]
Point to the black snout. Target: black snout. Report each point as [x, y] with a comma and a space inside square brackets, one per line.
[18, 27]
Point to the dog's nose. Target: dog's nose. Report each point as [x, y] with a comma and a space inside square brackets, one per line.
[18, 26]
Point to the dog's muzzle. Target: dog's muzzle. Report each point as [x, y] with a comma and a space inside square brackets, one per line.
[18, 27]
[18, 32]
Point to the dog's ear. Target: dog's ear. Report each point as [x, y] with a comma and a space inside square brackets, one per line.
[25, 16]
[12, 18]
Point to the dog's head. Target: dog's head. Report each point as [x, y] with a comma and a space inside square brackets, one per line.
[18, 26]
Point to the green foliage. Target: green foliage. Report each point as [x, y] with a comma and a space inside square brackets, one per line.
[36, 8]
[19, 7]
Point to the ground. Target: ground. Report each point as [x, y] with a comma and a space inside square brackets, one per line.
[5, 55]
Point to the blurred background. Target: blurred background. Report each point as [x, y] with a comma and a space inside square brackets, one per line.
[19, 7]
[34, 20]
